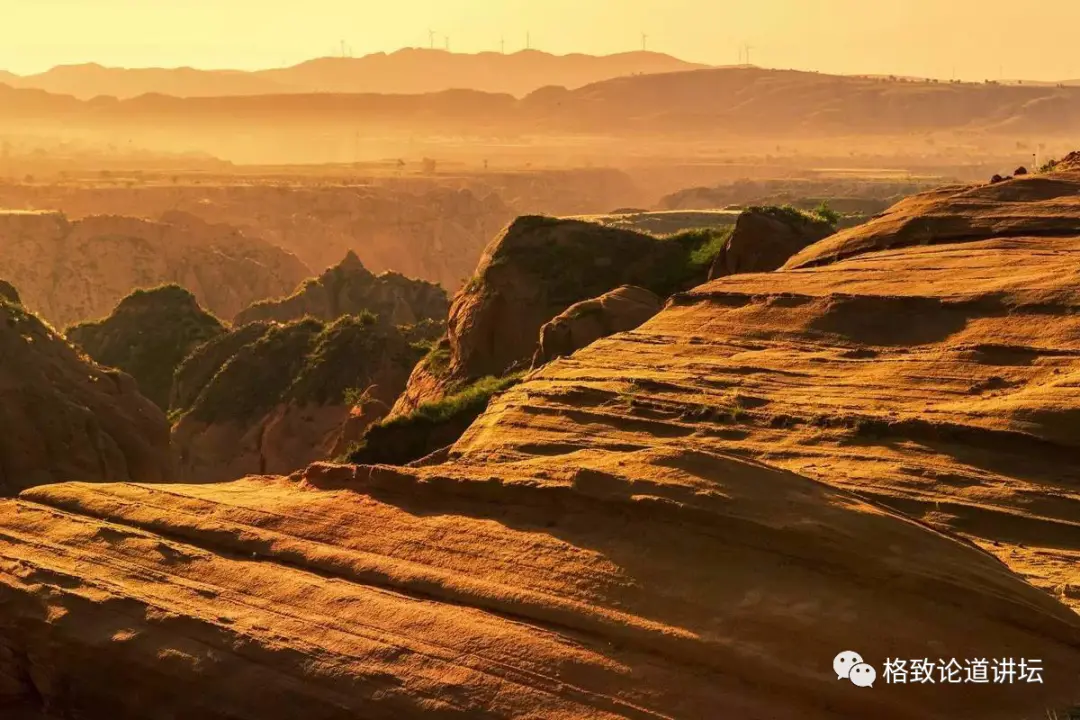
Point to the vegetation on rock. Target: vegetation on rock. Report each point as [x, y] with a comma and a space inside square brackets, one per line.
[147, 336]
[348, 288]
[66, 418]
[432, 426]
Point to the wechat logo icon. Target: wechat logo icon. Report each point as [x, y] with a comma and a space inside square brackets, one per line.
[849, 665]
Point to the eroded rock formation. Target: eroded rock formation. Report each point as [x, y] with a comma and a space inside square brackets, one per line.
[348, 288]
[585, 322]
[74, 271]
[147, 336]
[689, 520]
[765, 238]
[63, 417]
[271, 398]
[535, 269]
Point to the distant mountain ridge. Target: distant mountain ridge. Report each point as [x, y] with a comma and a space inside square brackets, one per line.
[744, 101]
[406, 71]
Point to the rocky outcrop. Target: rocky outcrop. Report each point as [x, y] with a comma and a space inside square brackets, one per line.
[1032, 205]
[585, 322]
[535, 269]
[271, 398]
[147, 336]
[765, 238]
[74, 271]
[689, 520]
[65, 417]
[349, 288]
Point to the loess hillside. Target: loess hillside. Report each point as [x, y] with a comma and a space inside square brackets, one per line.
[873, 448]
[348, 288]
[75, 270]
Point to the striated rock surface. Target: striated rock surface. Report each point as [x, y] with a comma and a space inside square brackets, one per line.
[348, 288]
[687, 520]
[271, 398]
[1033, 205]
[63, 417]
[74, 271]
[765, 238]
[147, 336]
[535, 269]
[585, 322]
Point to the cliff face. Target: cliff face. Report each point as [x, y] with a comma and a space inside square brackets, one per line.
[349, 289]
[271, 398]
[765, 238]
[687, 520]
[75, 271]
[66, 418]
[147, 336]
[535, 269]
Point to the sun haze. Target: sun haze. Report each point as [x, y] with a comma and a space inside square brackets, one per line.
[972, 39]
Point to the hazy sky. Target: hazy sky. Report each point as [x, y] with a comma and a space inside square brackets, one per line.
[978, 38]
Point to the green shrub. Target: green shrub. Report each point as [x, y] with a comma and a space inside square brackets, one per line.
[827, 214]
[472, 399]
[1048, 166]
[437, 361]
[432, 426]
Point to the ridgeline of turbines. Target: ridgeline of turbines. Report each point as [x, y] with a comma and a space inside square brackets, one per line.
[345, 50]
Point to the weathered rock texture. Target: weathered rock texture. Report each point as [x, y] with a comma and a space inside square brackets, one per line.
[272, 398]
[349, 288]
[688, 520]
[765, 238]
[74, 271]
[147, 336]
[535, 269]
[410, 225]
[585, 322]
[63, 417]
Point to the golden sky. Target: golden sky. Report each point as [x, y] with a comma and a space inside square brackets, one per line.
[976, 39]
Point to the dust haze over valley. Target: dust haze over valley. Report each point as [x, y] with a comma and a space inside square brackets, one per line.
[466, 359]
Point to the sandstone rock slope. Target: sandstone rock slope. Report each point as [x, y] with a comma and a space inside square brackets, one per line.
[271, 398]
[349, 288]
[940, 379]
[147, 336]
[63, 417]
[74, 271]
[765, 238]
[688, 520]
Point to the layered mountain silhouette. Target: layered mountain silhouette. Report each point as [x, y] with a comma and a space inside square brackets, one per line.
[709, 102]
[410, 70]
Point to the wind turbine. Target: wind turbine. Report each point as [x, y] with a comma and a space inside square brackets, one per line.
[748, 49]
[446, 38]
[431, 39]
[644, 41]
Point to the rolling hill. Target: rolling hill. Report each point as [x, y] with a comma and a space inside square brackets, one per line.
[407, 71]
[711, 103]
